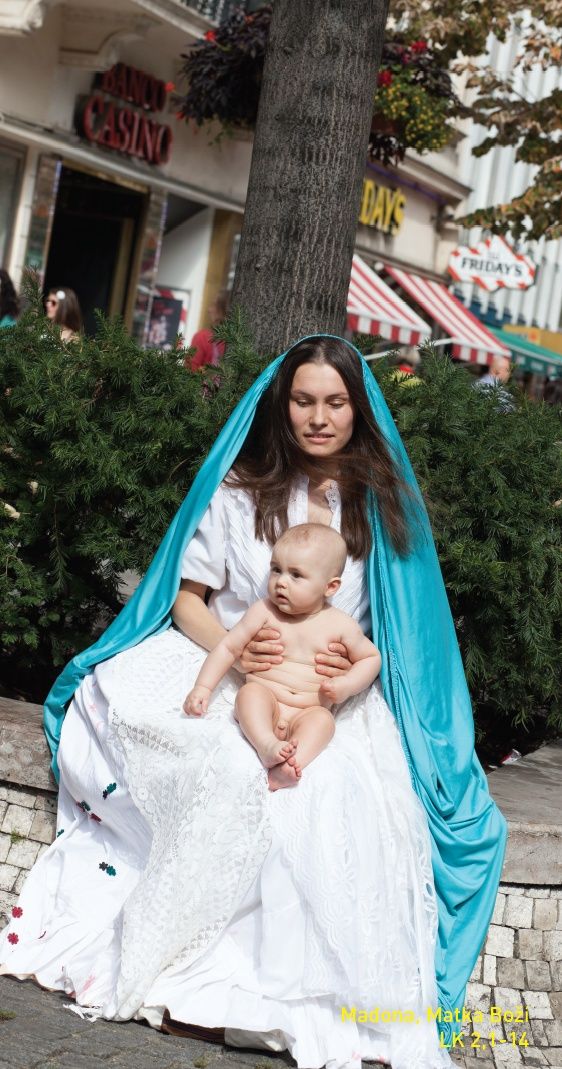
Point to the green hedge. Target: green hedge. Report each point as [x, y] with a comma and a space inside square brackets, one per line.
[100, 441]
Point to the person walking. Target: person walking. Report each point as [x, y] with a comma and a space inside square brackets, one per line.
[62, 307]
[207, 349]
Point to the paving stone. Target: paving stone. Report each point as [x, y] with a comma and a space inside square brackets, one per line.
[478, 998]
[507, 998]
[8, 877]
[538, 892]
[553, 1031]
[556, 972]
[476, 974]
[20, 796]
[538, 1005]
[18, 886]
[506, 1057]
[7, 900]
[554, 1057]
[3, 808]
[559, 921]
[538, 1033]
[553, 946]
[555, 999]
[489, 971]
[19, 819]
[43, 827]
[23, 853]
[512, 889]
[530, 944]
[510, 972]
[538, 976]
[5, 844]
[533, 1057]
[47, 802]
[499, 909]
[500, 941]
[518, 912]
[545, 913]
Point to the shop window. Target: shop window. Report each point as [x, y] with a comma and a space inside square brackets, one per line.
[11, 165]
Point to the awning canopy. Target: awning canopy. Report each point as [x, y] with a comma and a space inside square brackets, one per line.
[373, 308]
[531, 357]
[470, 339]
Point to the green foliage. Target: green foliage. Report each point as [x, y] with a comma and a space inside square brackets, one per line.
[99, 443]
[492, 481]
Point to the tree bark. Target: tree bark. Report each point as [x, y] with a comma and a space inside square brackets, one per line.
[308, 162]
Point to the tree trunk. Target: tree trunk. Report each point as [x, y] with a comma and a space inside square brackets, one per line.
[308, 162]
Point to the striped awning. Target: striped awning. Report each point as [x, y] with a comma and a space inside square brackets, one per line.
[470, 339]
[373, 308]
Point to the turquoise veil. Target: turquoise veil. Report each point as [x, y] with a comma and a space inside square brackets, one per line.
[422, 677]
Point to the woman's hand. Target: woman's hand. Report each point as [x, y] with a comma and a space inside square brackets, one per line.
[262, 652]
[333, 663]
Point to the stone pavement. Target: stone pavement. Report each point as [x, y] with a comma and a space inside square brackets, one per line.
[43, 1035]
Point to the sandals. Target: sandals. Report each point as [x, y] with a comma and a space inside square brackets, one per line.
[191, 1031]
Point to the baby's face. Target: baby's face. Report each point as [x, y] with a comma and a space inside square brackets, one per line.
[297, 579]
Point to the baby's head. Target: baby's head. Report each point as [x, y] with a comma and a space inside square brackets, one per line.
[306, 564]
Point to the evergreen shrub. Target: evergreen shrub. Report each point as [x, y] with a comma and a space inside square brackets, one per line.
[100, 441]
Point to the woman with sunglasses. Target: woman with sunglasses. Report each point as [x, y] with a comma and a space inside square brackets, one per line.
[63, 308]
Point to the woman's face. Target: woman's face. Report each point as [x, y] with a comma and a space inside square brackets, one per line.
[320, 410]
[51, 305]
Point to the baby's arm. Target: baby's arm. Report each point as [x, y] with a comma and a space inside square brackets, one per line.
[366, 665]
[219, 660]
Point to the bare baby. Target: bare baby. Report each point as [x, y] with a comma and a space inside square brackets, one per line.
[285, 711]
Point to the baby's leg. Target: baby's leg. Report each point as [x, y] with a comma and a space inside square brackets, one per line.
[255, 710]
[312, 729]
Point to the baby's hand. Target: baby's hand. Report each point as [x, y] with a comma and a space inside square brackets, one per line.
[332, 691]
[197, 701]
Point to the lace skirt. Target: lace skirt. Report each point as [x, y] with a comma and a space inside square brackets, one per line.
[178, 882]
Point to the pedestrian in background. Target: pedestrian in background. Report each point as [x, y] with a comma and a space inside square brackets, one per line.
[207, 349]
[496, 379]
[62, 307]
[9, 304]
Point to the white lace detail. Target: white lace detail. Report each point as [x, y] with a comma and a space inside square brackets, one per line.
[208, 814]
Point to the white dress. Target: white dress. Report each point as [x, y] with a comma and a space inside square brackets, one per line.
[179, 882]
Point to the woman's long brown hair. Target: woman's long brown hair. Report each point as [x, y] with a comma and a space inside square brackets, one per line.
[271, 456]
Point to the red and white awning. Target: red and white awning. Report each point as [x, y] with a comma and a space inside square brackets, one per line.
[470, 339]
[373, 308]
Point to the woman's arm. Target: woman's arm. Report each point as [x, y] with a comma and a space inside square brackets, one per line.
[193, 618]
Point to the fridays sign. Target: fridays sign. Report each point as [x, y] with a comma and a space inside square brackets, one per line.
[492, 264]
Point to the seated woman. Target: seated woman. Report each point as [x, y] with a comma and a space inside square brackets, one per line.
[179, 887]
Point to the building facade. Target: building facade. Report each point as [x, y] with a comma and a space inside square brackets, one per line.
[102, 189]
[497, 178]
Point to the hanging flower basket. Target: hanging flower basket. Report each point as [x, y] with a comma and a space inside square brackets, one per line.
[413, 105]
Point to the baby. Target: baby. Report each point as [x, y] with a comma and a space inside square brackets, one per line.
[285, 712]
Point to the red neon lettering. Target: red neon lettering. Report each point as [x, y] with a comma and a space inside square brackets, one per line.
[94, 107]
[124, 124]
[163, 145]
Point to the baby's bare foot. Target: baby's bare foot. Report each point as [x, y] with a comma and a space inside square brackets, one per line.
[285, 775]
[275, 752]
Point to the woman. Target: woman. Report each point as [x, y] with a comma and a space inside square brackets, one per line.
[207, 349]
[62, 307]
[178, 886]
[9, 304]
